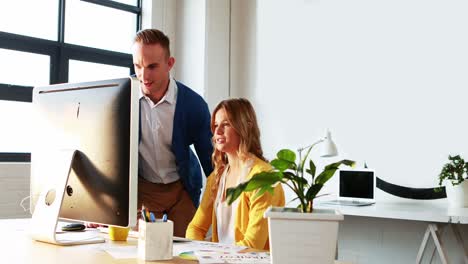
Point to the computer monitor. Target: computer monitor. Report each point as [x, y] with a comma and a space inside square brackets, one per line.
[357, 184]
[84, 163]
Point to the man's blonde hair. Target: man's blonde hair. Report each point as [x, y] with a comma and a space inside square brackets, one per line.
[153, 36]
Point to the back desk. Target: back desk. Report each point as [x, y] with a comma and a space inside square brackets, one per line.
[438, 217]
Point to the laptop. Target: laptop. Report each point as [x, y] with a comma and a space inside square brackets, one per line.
[356, 188]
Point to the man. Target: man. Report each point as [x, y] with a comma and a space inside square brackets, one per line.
[172, 117]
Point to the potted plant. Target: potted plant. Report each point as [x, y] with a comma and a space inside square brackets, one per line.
[303, 234]
[454, 173]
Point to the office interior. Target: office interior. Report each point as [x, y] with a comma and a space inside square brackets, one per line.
[387, 78]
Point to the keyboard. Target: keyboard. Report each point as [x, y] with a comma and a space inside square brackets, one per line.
[348, 203]
[78, 237]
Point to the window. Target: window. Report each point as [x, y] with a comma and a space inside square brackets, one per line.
[104, 28]
[81, 71]
[15, 133]
[24, 68]
[42, 17]
[68, 41]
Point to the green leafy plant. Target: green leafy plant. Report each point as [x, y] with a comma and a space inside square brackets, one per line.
[287, 171]
[454, 171]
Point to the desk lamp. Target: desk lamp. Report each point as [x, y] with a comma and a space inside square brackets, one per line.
[328, 149]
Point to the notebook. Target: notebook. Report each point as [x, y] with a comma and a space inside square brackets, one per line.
[356, 188]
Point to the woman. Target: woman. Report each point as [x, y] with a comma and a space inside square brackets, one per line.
[237, 157]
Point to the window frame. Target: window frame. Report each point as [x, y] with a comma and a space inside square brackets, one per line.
[60, 53]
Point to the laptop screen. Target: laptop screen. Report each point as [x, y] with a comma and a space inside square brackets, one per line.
[357, 184]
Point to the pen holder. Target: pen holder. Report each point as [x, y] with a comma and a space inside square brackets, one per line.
[155, 240]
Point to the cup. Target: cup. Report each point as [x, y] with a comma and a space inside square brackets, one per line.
[118, 233]
[155, 240]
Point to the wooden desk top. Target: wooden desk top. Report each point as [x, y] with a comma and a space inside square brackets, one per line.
[17, 247]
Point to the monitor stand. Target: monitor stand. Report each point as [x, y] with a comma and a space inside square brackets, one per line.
[46, 213]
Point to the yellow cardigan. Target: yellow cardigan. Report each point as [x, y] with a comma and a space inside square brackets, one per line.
[251, 229]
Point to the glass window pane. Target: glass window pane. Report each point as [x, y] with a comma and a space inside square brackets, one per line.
[31, 18]
[24, 68]
[82, 71]
[100, 27]
[128, 2]
[15, 135]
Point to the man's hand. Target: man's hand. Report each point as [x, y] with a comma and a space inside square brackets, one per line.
[93, 225]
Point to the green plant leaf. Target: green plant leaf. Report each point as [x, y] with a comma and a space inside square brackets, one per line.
[287, 154]
[454, 171]
[330, 170]
[233, 193]
[262, 179]
[292, 177]
[312, 192]
[325, 175]
[281, 164]
[263, 190]
[294, 199]
[311, 169]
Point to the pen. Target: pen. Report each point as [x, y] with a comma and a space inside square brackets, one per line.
[143, 216]
[164, 217]
[152, 218]
[147, 215]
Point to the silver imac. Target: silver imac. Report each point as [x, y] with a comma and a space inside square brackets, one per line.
[84, 163]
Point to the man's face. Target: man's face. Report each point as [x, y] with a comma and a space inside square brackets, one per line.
[152, 67]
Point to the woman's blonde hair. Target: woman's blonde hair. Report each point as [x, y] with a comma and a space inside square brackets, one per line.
[242, 117]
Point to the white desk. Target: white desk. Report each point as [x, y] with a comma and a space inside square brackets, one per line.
[437, 215]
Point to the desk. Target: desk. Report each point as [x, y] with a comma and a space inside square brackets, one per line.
[437, 216]
[17, 247]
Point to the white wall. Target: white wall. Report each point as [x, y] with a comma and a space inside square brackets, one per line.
[190, 43]
[183, 21]
[14, 187]
[388, 78]
[217, 51]
[244, 49]
[385, 77]
[199, 31]
[160, 14]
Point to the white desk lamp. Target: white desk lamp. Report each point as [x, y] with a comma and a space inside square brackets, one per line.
[328, 148]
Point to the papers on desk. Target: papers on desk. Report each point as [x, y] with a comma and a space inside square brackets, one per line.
[205, 252]
[122, 252]
[195, 246]
[248, 257]
[209, 252]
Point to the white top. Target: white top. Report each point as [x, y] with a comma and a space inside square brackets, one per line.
[225, 213]
[156, 162]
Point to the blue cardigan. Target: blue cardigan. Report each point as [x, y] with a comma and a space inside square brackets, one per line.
[191, 126]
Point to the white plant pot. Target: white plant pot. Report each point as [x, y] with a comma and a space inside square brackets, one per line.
[457, 195]
[303, 237]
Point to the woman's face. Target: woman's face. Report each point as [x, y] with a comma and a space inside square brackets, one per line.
[225, 137]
